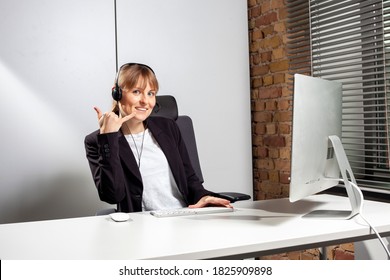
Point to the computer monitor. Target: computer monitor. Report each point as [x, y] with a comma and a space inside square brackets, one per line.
[318, 159]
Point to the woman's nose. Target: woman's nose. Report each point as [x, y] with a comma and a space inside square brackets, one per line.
[142, 98]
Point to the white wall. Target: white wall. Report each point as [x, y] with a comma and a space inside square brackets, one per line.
[199, 51]
[57, 60]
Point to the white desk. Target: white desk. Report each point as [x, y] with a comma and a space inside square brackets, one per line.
[254, 229]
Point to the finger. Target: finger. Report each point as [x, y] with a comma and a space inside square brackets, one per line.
[197, 205]
[222, 202]
[204, 201]
[128, 117]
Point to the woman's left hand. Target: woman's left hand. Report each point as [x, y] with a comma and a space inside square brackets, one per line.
[211, 200]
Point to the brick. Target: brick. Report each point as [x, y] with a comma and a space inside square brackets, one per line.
[283, 116]
[271, 128]
[347, 247]
[284, 178]
[255, 11]
[257, 82]
[277, 4]
[265, 6]
[340, 254]
[279, 78]
[270, 43]
[257, 140]
[285, 189]
[266, 57]
[271, 189]
[285, 153]
[262, 152]
[279, 66]
[274, 176]
[294, 255]
[282, 14]
[259, 105]
[284, 128]
[267, 31]
[259, 70]
[271, 92]
[252, 3]
[280, 27]
[282, 165]
[257, 35]
[265, 164]
[268, 80]
[254, 46]
[263, 175]
[256, 59]
[274, 141]
[273, 153]
[287, 92]
[279, 53]
[260, 128]
[254, 94]
[262, 117]
[284, 104]
[270, 105]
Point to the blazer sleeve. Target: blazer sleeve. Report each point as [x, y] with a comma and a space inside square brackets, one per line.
[102, 151]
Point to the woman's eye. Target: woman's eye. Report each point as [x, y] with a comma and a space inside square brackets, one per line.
[136, 92]
[151, 93]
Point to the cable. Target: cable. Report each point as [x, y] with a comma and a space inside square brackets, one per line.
[377, 234]
[116, 37]
[359, 213]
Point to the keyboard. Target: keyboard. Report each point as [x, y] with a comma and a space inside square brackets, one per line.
[190, 211]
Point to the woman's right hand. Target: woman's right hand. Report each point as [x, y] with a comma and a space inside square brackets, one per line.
[111, 122]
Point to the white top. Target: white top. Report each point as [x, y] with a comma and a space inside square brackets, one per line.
[160, 188]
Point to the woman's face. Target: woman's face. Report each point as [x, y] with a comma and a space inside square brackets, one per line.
[139, 100]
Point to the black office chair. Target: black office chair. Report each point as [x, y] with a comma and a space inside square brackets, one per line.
[166, 106]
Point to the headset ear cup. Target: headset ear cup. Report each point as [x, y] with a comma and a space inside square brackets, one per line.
[117, 93]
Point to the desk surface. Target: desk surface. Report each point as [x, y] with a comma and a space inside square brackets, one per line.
[253, 229]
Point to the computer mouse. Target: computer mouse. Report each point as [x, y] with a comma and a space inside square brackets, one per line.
[119, 216]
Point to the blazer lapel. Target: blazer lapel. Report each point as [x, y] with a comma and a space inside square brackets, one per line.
[127, 156]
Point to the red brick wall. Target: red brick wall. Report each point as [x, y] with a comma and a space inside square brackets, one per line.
[271, 100]
[270, 97]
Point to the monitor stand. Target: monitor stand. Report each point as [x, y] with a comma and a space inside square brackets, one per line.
[354, 193]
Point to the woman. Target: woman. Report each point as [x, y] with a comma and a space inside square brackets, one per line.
[139, 162]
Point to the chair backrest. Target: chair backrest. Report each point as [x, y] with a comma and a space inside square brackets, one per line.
[166, 106]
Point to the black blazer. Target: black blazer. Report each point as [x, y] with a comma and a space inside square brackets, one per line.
[116, 173]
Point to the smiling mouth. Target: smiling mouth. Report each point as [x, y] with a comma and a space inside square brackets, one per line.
[141, 109]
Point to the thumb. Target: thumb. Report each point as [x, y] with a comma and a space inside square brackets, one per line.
[99, 115]
[98, 111]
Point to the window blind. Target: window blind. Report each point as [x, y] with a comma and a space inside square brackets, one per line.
[349, 41]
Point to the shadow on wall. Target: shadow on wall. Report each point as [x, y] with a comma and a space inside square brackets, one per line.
[67, 195]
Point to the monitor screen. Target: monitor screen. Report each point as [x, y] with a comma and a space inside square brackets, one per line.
[317, 108]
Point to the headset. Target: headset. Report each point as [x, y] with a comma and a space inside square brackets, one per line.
[117, 91]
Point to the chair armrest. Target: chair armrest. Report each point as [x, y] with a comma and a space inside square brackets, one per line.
[233, 196]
